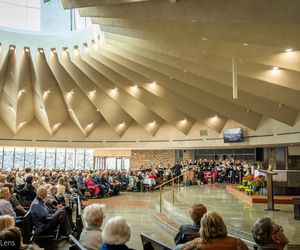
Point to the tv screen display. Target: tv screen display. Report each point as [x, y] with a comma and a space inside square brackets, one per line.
[233, 135]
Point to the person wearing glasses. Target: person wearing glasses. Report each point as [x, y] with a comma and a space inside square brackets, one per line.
[268, 235]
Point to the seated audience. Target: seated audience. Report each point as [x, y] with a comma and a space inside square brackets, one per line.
[5, 205]
[213, 235]
[191, 231]
[268, 235]
[6, 221]
[91, 236]
[115, 234]
[45, 222]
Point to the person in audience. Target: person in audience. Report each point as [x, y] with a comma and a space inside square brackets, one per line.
[268, 235]
[28, 173]
[116, 234]
[91, 185]
[61, 187]
[213, 235]
[43, 221]
[2, 180]
[28, 191]
[5, 205]
[191, 231]
[18, 208]
[91, 236]
[6, 221]
[80, 183]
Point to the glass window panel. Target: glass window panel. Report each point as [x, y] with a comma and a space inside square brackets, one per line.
[126, 163]
[8, 158]
[89, 159]
[110, 163]
[60, 158]
[1, 157]
[40, 158]
[29, 157]
[80, 159]
[50, 158]
[19, 158]
[70, 159]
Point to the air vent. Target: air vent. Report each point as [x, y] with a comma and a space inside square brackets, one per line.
[203, 132]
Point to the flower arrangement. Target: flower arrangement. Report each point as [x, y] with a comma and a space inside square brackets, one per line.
[251, 184]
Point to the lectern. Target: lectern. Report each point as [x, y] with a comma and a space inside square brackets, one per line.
[270, 196]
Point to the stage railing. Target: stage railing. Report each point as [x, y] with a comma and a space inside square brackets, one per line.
[162, 185]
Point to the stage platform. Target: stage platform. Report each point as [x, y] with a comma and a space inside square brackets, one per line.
[278, 199]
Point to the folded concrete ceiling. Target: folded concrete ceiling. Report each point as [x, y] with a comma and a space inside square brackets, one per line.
[162, 61]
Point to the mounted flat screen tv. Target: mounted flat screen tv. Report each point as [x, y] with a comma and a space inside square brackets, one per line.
[233, 135]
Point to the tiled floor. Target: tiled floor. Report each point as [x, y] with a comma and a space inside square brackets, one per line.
[138, 209]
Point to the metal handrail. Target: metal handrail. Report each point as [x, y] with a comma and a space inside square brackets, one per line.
[161, 186]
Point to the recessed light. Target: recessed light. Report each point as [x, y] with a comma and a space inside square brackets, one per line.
[194, 21]
[135, 86]
[289, 50]
[41, 50]
[154, 83]
[11, 47]
[116, 89]
[275, 68]
[245, 44]
[204, 38]
[53, 50]
[26, 49]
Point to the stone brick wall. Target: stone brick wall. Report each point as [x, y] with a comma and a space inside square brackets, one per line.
[151, 157]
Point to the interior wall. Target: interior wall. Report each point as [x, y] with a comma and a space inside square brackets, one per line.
[149, 158]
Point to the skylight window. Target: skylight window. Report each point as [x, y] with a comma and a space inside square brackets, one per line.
[20, 14]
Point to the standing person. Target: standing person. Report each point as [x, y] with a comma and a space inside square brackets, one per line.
[176, 170]
[268, 235]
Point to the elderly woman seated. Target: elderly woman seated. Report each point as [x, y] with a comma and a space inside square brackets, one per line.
[116, 234]
[91, 185]
[191, 231]
[213, 235]
[91, 236]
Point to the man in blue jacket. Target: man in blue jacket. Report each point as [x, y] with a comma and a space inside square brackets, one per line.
[43, 221]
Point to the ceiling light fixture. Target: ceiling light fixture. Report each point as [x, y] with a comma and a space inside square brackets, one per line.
[154, 83]
[41, 50]
[26, 49]
[204, 38]
[135, 86]
[275, 68]
[116, 89]
[53, 50]
[245, 44]
[289, 50]
[12, 47]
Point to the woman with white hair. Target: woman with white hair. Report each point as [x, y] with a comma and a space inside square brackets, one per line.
[91, 236]
[115, 234]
